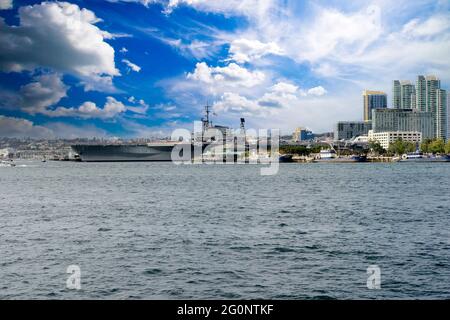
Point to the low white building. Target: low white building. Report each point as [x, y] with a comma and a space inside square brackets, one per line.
[388, 137]
[4, 153]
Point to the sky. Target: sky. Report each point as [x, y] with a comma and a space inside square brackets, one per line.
[142, 68]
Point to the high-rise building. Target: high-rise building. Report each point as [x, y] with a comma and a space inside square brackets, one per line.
[421, 93]
[409, 120]
[373, 100]
[427, 89]
[448, 117]
[396, 94]
[433, 83]
[441, 114]
[407, 89]
[346, 130]
[302, 134]
[413, 101]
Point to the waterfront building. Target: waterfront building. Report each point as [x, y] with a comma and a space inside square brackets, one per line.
[432, 84]
[347, 130]
[448, 117]
[441, 114]
[406, 91]
[413, 101]
[386, 138]
[396, 94]
[407, 120]
[421, 94]
[373, 100]
[302, 134]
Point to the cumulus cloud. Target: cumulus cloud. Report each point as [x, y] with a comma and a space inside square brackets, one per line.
[13, 127]
[245, 50]
[22, 128]
[283, 87]
[60, 36]
[231, 75]
[6, 4]
[132, 66]
[44, 91]
[89, 110]
[317, 91]
[280, 97]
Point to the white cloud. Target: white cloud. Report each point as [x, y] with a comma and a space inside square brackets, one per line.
[283, 87]
[68, 131]
[317, 91]
[430, 27]
[61, 36]
[143, 2]
[89, 110]
[6, 4]
[22, 128]
[278, 99]
[234, 103]
[231, 75]
[131, 65]
[123, 50]
[139, 107]
[245, 50]
[333, 33]
[255, 9]
[46, 90]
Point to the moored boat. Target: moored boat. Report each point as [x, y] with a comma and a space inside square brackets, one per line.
[330, 156]
[420, 157]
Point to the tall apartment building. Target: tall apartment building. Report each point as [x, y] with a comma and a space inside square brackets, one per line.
[431, 98]
[373, 100]
[406, 91]
[396, 94]
[441, 114]
[403, 94]
[432, 84]
[421, 93]
[408, 120]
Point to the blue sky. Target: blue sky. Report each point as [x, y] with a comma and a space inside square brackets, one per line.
[140, 68]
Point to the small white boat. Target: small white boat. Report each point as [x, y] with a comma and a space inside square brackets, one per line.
[4, 163]
[419, 157]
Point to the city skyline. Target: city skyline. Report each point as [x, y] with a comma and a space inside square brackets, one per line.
[156, 63]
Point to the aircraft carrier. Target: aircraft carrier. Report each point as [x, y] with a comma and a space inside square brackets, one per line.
[157, 151]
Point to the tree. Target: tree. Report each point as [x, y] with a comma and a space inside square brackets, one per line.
[447, 147]
[400, 147]
[425, 146]
[376, 147]
[290, 149]
[437, 146]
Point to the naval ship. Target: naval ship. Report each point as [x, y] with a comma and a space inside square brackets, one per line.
[155, 151]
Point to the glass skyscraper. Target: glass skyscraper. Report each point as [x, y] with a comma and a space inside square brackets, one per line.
[396, 94]
[441, 114]
[373, 100]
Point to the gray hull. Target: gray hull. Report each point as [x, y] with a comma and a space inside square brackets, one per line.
[123, 153]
